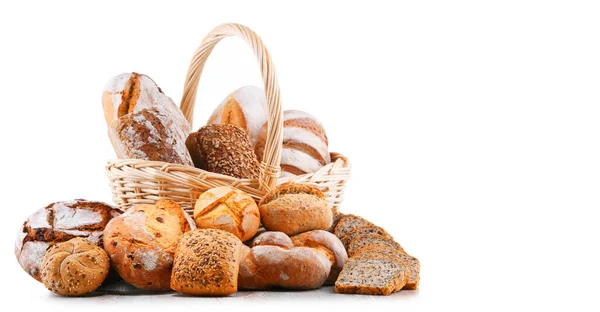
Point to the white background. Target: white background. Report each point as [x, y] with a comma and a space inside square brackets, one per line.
[473, 129]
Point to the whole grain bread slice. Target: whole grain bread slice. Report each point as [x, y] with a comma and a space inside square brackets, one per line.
[363, 230]
[413, 265]
[371, 276]
[337, 215]
[348, 223]
[372, 239]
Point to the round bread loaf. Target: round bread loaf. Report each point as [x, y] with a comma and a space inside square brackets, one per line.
[141, 243]
[60, 222]
[246, 108]
[295, 208]
[207, 263]
[75, 267]
[224, 149]
[227, 209]
[328, 244]
[305, 145]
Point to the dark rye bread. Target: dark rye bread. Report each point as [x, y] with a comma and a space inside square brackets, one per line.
[413, 265]
[348, 223]
[372, 239]
[224, 149]
[363, 230]
[371, 276]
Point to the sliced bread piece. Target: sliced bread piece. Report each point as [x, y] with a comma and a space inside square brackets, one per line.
[348, 223]
[412, 263]
[372, 239]
[336, 218]
[363, 230]
[371, 276]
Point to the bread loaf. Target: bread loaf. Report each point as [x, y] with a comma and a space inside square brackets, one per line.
[306, 261]
[60, 222]
[75, 267]
[227, 209]
[207, 263]
[295, 208]
[305, 144]
[246, 108]
[328, 244]
[141, 243]
[224, 149]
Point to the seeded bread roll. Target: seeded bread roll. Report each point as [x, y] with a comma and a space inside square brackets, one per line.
[207, 263]
[75, 267]
[227, 209]
[295, 208]
[361, 231]
[305, 144]
[246, 108]
[224, 149]
[60, 222]
[349, 223]
[328, 244]
[377, 275]
[141, 243]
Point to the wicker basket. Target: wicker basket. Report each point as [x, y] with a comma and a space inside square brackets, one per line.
[136, 181]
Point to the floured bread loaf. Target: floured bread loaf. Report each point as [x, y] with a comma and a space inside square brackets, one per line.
[60, 222]
[246, 108]
[305, 144]
[143, 122]
[141, 243]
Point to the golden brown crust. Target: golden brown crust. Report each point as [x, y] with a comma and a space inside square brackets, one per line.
[224, 149]
[60, 222]
[141, 243]
[75, 267]
[328, 244]
[291, 188]
[207, 263]
[227, 209]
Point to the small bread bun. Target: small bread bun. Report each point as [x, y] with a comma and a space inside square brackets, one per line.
[246, 108]
[295, 208]
[223, 149]
[227, 209]
[75, 267]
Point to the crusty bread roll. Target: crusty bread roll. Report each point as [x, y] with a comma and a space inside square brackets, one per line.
[60, 222]
[223, 149]
[328, 244]
[141, 243]
[305, 145]
[227, 209]
[143, 122]
[295, 208]
[75, 267]
[274, 261]
[246, 108]
[206, 263]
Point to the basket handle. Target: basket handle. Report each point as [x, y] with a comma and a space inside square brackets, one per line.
[269, 166]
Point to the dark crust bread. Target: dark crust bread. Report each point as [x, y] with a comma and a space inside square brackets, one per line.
[291, 188]
[349, 223]
[207, 263]
[224, 149]
[363, 230]
[52, 234]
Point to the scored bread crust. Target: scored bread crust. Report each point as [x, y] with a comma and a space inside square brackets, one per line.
[75, 267]
[295, 208]
[227, 209]
[328, 244]
[60, 222]
[141, 243]
[207, 263]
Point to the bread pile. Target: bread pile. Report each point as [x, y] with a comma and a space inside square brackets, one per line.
[74, 247]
